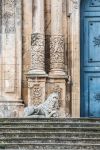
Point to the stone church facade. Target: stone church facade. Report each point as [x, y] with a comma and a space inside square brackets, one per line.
[40, 54]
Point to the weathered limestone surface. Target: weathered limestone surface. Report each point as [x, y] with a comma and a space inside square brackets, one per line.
[11, 54]
[39, 53]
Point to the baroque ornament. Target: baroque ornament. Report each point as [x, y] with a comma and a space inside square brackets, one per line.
[57, 52]
[37, 51]
[97, 41]
[36, 92]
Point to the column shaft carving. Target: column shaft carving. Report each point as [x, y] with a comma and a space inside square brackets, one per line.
[37, 53]
[57, 52]
[38, 40]
[57, 40]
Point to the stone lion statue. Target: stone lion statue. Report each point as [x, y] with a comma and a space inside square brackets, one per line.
[47, 109]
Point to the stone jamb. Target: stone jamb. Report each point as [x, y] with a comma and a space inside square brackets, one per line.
[74, 14]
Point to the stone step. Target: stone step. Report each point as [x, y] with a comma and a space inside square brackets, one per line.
[49, 134]
[91, 120]
[47, 146]
[52, 133]
[49, 124]
[55, 140]
[49, 129]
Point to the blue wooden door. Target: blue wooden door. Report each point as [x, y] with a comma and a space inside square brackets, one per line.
[90, 58]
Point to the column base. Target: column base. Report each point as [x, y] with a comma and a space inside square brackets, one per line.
[11, 108]
[57, 74]
[37, 73]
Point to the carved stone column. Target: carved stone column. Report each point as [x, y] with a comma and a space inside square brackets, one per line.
[57, 76]
[37, 75]
[38, 40]
[57, 40]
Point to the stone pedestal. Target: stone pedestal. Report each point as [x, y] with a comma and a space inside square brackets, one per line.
[59, 86]
[36, 90]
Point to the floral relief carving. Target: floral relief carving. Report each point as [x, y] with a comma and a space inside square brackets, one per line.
[36, 93]
[37, 51]
[57, 52]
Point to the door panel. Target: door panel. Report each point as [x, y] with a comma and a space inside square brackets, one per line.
[92, 94]
[90, 58]
[91, 5]
[91, 41]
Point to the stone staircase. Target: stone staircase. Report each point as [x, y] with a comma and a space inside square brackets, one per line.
[49, 134]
